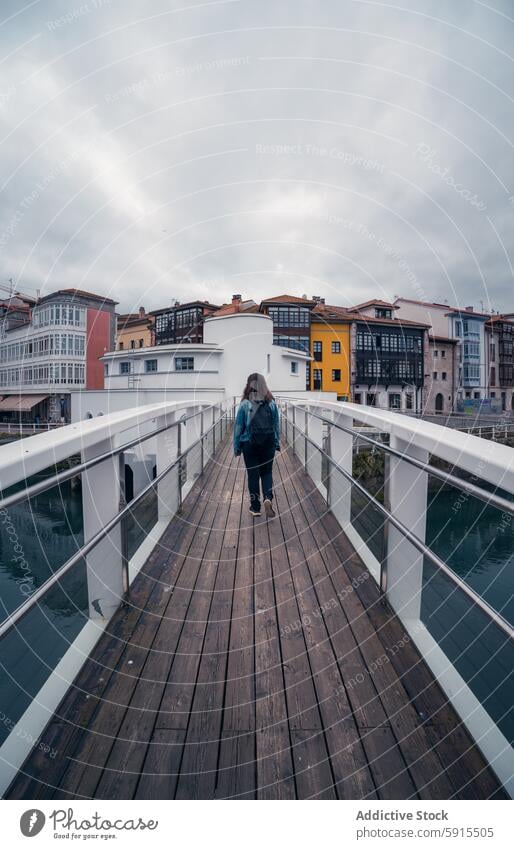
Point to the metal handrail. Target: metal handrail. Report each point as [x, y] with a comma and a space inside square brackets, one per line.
[477, 491]
[486, 608]
[61, 477]
[10, 621]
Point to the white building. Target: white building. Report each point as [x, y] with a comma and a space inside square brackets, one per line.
[234, 345]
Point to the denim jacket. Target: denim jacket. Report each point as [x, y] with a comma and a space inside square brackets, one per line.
[242, 425]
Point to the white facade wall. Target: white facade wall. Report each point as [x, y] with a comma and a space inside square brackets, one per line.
[433, 314]
[247, 342]
[204, 375]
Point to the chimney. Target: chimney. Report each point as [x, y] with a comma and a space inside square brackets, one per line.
[141, 312]
[236, 302]
[468, 309]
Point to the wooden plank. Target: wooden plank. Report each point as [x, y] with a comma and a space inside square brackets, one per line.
[352, 776]
[302, 703]
[390, 772]
[160, 769]
[237, 772]
[198, 773]
[465, 766]
[274, 762]
[239, 713]
[313, 773]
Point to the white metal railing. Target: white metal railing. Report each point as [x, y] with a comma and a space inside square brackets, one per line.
[183, 437]
[21, 428]
[324, 435]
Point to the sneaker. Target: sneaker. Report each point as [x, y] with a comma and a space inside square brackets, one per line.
[255, 511]
[268, 507]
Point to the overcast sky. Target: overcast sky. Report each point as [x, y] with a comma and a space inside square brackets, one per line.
[173, 149]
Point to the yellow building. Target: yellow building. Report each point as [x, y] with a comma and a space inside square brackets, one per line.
[134, 330]
[330, 349]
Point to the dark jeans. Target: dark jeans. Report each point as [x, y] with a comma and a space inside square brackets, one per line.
[259, 466]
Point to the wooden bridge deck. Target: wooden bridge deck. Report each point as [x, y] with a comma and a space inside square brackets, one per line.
[255, 661]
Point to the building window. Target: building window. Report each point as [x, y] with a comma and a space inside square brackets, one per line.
[336, 374]
[132, 343]
[408, 401]
[317, 351]
[268, 363]
[356, 397]
[443, 354]
[317, 378]
[125, 368]
[184, 363]
[434, 375]
[458, 330]
[436, 353]
[493, 376]
[395, 401]
[336, 347]
[443, 377]
[106, 370]
[141, 343]
[294, 367]
[120, 346]
[150, 365]
[381, 312]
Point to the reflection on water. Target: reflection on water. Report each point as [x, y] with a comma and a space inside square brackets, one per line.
[36, 538]
[477, 542]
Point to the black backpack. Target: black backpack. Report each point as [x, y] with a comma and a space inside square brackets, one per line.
[261, 423]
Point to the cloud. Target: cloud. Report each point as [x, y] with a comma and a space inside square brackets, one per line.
[194, 150]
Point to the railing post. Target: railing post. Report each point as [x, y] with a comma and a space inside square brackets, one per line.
[192, 435]
[180, 464]
[341, 449]
[313, 451]
[299, 435]
[385, 534]
[100, 503]
[167, 450]
[294, 430]
[124, 528]
[328, 459]
[408, 502]
[202, 431]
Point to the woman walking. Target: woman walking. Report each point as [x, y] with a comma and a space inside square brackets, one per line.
[257, 436]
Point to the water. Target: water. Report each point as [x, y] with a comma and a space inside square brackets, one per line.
[477, 542]
[36, 537]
